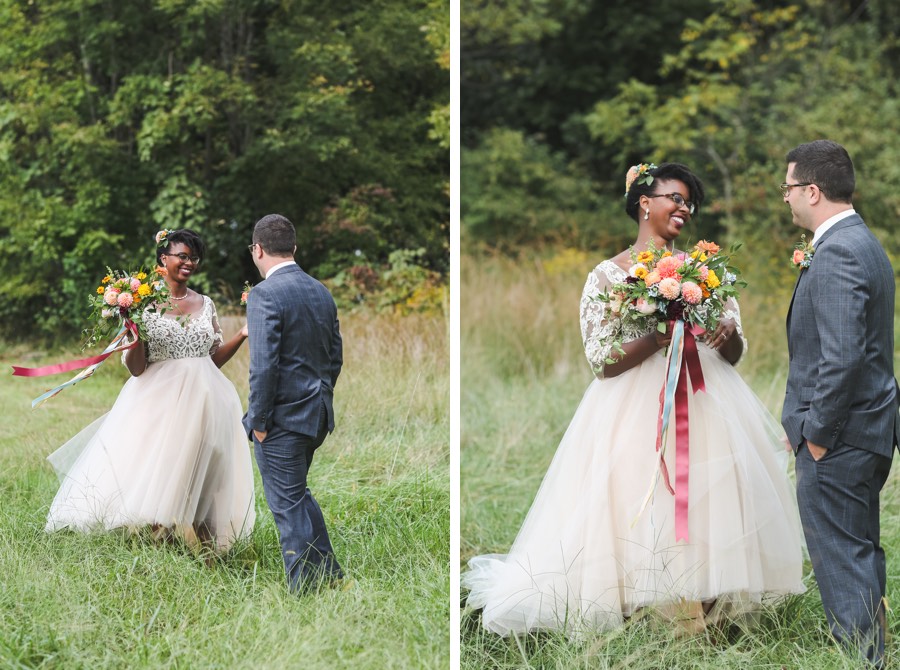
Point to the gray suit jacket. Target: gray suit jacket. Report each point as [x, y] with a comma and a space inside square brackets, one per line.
[840, 327]
[295, 353]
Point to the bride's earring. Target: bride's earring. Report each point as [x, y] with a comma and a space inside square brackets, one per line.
[646, 214]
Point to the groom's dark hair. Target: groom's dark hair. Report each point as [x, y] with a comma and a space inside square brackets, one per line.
[827, 165]
[276, 235]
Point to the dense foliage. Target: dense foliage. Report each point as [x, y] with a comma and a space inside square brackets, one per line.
[561, 96]
[120, 118]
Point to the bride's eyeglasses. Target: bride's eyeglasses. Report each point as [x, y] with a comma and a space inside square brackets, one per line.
[184, 258]
[677, 198]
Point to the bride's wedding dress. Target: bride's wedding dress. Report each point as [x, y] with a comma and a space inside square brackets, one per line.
[585, 558]
[171, 452]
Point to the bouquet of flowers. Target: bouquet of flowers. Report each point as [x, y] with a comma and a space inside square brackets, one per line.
[662, 286]
[123, 297]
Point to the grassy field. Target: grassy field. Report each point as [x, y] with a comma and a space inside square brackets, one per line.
[116, 601]
[523, 373]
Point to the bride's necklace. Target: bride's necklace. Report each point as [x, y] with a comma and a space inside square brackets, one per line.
[179, 298]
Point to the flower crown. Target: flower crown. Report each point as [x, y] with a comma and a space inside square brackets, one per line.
[639, 173]
[161, 237]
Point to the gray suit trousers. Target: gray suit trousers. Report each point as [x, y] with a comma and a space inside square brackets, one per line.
[839, 506]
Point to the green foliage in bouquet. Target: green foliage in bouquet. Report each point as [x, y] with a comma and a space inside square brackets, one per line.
[663, 286]
[121, 297]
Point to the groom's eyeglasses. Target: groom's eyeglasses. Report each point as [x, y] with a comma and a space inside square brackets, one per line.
[786, 188]
[184, 258]
[677, 199]
[251, 247]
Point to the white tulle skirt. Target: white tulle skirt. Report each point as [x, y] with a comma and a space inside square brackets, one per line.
[585, 560]
[170, 453]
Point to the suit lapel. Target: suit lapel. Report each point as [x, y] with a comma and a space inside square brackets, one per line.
[793, 295]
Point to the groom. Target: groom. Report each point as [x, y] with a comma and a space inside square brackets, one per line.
[840, 405]
[295, 360]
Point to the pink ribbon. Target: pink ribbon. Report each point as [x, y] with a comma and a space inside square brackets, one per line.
[68, 366]
[690, 367]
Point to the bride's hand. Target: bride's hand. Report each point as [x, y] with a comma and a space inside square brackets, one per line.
[724, 332]
[663, 340]
[244, 331]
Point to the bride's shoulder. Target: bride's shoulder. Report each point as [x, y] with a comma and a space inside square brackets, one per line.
[608, 268]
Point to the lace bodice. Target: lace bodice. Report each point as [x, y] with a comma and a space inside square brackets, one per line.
[186, 337]
[598, 332]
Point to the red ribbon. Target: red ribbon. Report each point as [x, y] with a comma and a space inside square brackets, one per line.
[68, 366]
[690, 367]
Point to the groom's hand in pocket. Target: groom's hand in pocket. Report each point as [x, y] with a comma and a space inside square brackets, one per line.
[260, 436]
[816, 451]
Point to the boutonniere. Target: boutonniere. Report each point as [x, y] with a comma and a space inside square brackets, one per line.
[246, 293]
[803, 253]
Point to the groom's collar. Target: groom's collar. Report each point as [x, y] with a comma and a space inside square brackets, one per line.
[275, 268]
[829, 223]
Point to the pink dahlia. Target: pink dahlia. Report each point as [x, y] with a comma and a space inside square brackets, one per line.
[691, 292]
[125, 300]
[111, 297]
[669, 288]
[668, 266]
[135, 283]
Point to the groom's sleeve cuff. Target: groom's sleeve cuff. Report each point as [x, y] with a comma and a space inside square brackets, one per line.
[825, 436]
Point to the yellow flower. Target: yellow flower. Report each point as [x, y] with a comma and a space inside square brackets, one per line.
[644, 257]
[666, 254]
[100, 290]
[141, 275]
[106, 279]
[712, 280]
[640, 272]
[697, 253]
[143, 290]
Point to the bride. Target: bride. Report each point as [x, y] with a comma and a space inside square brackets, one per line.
[171, 453]
[586, 557]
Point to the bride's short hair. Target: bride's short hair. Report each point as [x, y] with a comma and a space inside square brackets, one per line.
[665, 171]
[184, 236]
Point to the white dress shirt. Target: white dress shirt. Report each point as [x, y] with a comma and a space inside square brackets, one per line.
[279, 266]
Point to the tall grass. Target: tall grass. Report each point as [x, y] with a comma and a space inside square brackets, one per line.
[119, 601]
[523, 373]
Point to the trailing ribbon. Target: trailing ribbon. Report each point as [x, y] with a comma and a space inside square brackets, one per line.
[118, 343]
[682, 363]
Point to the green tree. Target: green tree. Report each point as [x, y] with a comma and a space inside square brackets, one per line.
[117, 119]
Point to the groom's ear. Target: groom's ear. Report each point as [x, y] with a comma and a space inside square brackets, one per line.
[815, 194]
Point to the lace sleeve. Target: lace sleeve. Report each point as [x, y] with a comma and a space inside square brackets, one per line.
[218, 340]
[732, 311]
[596, 331]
